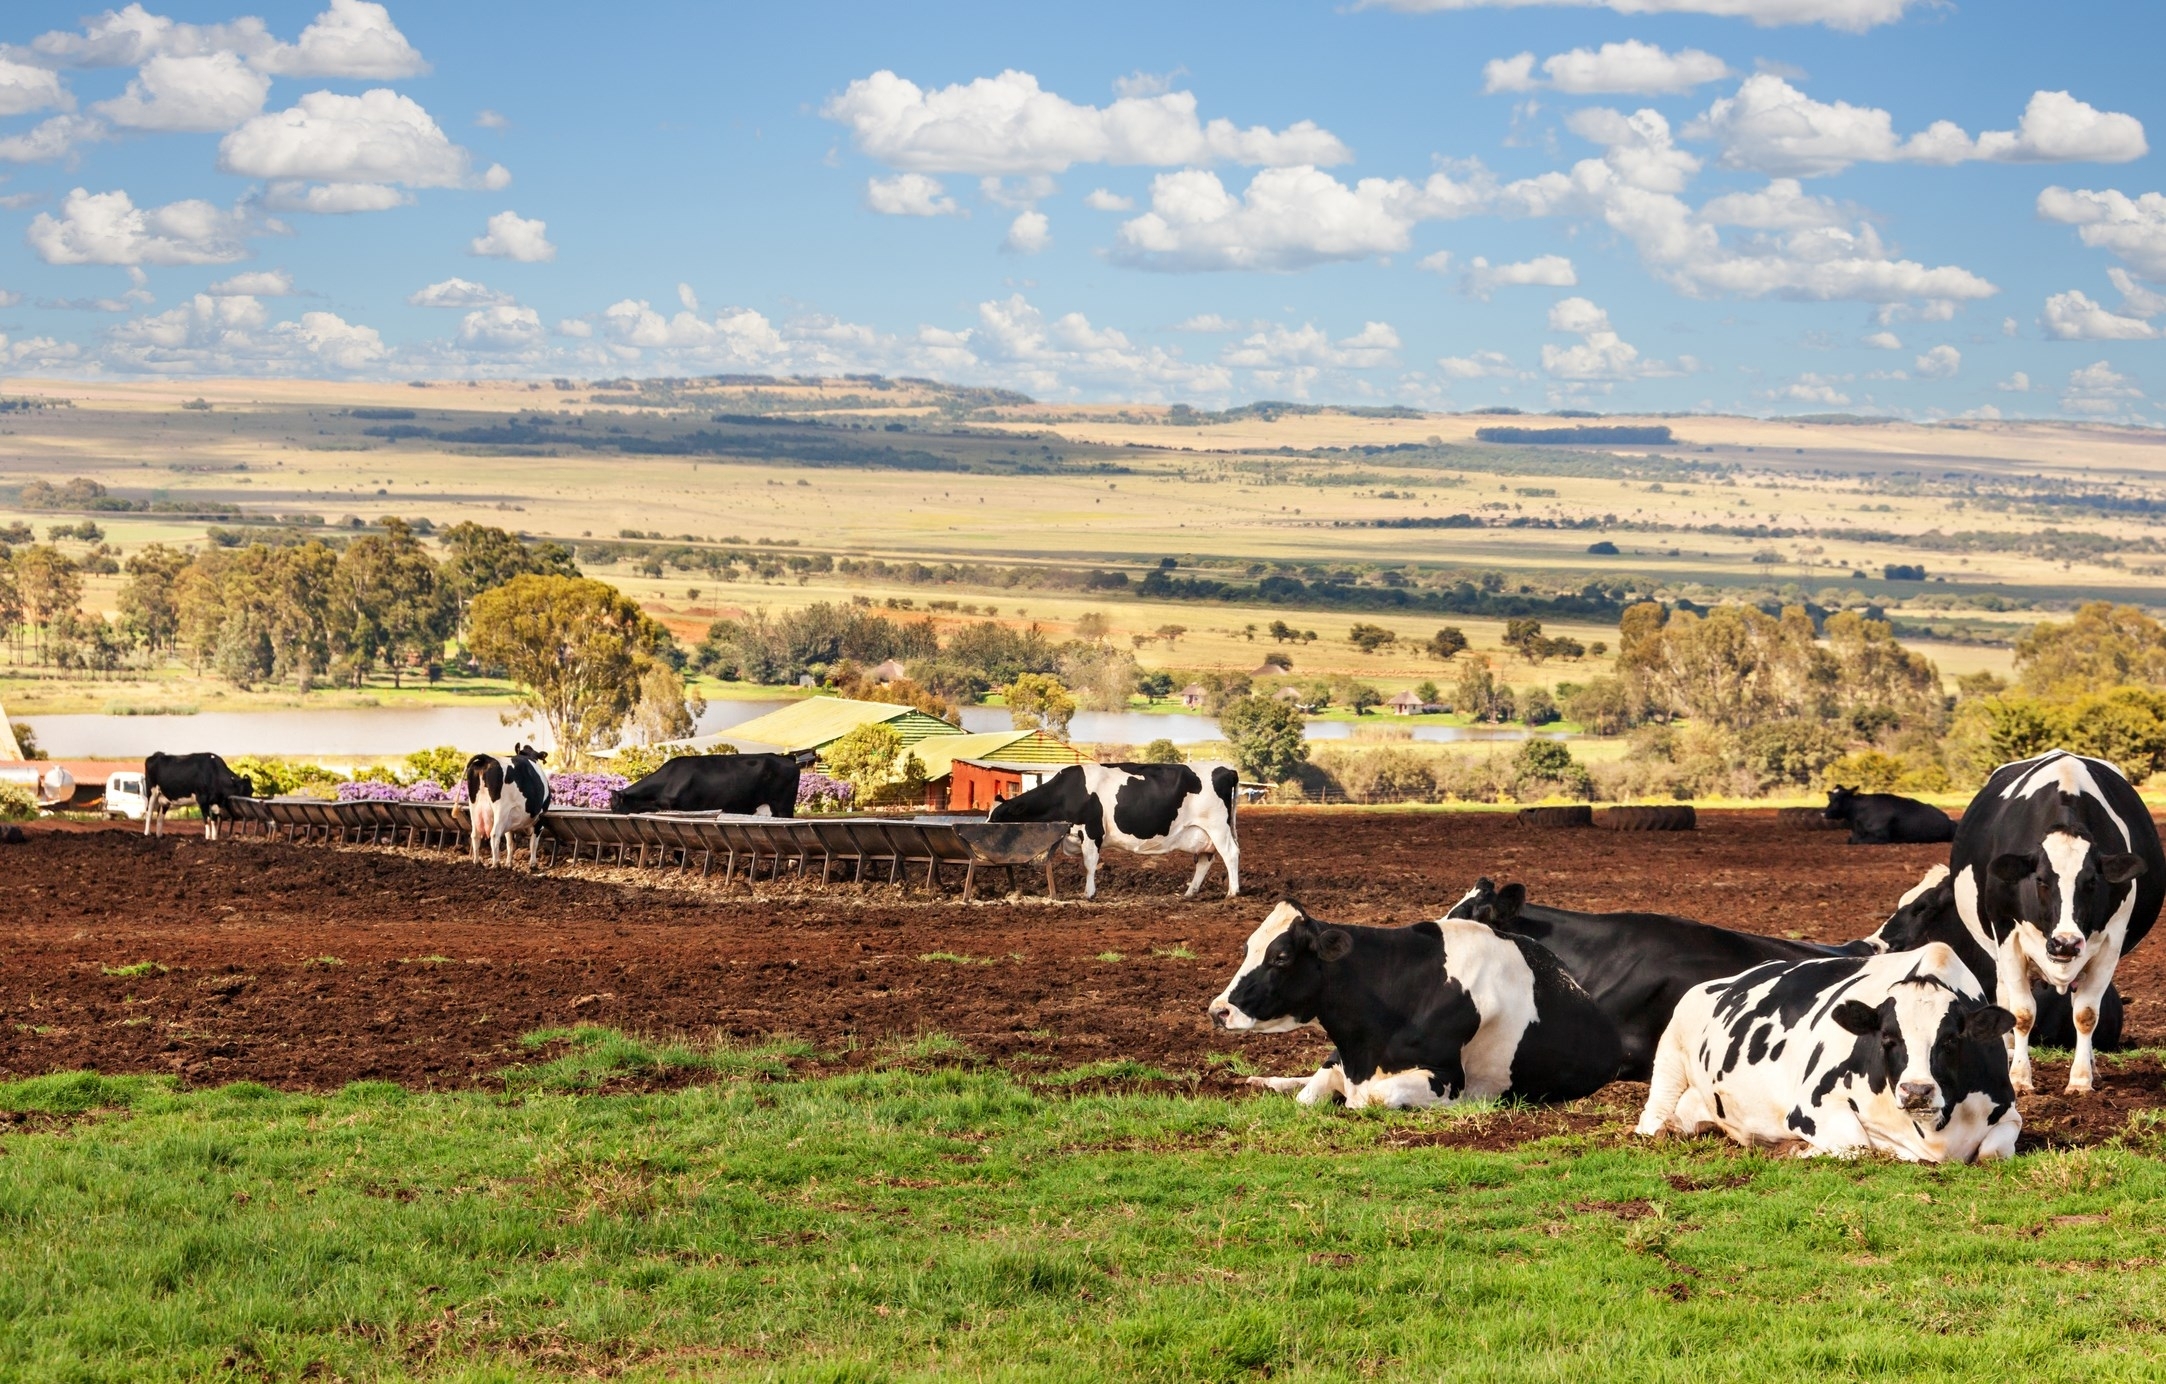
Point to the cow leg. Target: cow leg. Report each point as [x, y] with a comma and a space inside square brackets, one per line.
[2085, 997]
[533, 850]
[1090, 867]
[1203, 868]
[1666, 1087]
[1329, 1081]
[1229, 853]
[2012, 974]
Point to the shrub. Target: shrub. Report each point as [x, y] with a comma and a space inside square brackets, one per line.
[16, 803]
[1265, 736]
[1162, 751]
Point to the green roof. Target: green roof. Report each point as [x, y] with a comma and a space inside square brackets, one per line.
[1019, 746]
[819, 721]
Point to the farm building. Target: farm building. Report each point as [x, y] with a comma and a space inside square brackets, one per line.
[1193, 695]
[1408, 703]
[887, 672]
[969, 773]
[817, 722]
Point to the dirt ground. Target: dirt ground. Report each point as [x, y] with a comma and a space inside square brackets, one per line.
[311, 966]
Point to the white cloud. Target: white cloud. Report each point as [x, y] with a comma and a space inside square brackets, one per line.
[1544, 271]
[2098, 390]
[1207, 322]
[1939, 363]
[2009, 326]
[1854, 16]
[2136, 300]
[572, 326]
[334, 199]
[207, 335]
[2017, 383]
[1014, 339]
[1631, 67]
[255, 283]
[1009, 124]
[1277, 347]
[1600, 353]
[132, 36]
[688, 297]
[378, 137]
[1783, 205]
[1099, 199]
[514, 237]
[492, 120]
[458, 293]
[2131, 228]
[2072, 316]
[1772, 127]
[108, 228]
[353, 38]
[1017, 193]
[1482, 365]
[1287, 218]
[503, 327]
[732, 336]
[1884, 341]
[210, 91]
[910, 194]
[51, 139]
[25, 87]
[1812, 389]
[1029, 234]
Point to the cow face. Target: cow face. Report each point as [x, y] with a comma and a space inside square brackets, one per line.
[1840, 803]
[2067, 889]
[240, 786]
[1282, 975]
[1929, 1048]
[1912, 924]
[616, 800]
[529, 752]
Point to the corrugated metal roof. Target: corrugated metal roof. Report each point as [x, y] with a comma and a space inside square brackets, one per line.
[818, 721]
[1008, 746]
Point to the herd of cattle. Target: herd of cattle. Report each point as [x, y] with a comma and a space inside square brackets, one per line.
[1913, 1041]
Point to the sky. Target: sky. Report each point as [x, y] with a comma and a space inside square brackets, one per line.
[1936, 210]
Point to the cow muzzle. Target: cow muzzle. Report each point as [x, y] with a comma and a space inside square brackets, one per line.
[1918, 1097]
[2064, 946]
[1224, 1015]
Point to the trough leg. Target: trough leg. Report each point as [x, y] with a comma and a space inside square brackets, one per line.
[970, 878]
[1050, 891]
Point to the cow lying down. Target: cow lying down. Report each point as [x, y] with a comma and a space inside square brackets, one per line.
[1898, 1054]
[1422, 1015]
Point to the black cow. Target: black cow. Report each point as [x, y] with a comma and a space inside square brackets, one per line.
[2057, 871]
[762, 785]
[204, 779]
[1885, 819]
[1146, 808]
[1421, 1015]
[504, 796]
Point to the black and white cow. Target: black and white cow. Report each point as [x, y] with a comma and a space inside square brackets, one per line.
[1897, 1054]
[1150, 809]
[1421, 1015]
[759, 785]
[170, 780]
[1884, 819]
[2057, 872]
[504, 796]
[1927, 913]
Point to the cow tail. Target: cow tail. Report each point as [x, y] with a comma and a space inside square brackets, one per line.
[1226, 783]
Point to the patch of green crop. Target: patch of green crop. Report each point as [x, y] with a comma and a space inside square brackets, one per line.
[136, 968]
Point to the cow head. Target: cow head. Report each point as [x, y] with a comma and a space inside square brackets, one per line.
[1929, 1048]
[1918, 913]
[1056, 800]
[2067, 889]
[1282, 975]
[1840, 803]
[616, 800]
[239, 785]
[529, 752]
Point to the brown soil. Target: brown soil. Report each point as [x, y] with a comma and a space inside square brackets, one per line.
[441, 966]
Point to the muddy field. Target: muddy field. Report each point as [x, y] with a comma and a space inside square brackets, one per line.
[312, 966]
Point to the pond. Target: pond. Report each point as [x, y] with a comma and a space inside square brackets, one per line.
[374, 731]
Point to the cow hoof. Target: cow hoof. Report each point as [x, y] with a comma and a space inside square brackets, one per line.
[2077, 1087]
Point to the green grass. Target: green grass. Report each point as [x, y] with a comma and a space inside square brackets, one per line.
[968, 1223]
[955, 958]
[136, 968]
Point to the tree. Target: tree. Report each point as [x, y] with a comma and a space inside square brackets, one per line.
[1478, 695]
[1361, 697]
[1093, 626]
[1248, 632]
[1430, 693]
[667, 709]
[1162, 751]
[2104, 646]
[150, 598]
[389, 602]
[872, 760]
[1525, 635]
[577, 649]
[1371, 638]
[479, 558]
[1265, 736]
[1038, 702]
[1447, 643]
[1156, 686]
[1172, 634]
[1281, 632]
[51, 584]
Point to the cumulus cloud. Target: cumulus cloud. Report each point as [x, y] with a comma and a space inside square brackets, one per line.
[1287, 218]
[1099, 199]
[2131, 228]
[255, 283]
[2073, 316]
[1631, 67]
[379, 138]
[1207, 322]
[1028, 234]
[1599, 354]
[351, 38]
[1482, 365]
[2099, 391]
[1783, 205]
[109, 228]
[503, 327]
[1018, 193]
[1812, 389]
[1940, 363]
[910, 194]
[2017, 383]
[51, 139]
[1884, 341]
[492, 120]
[1009, 124]
[514, 237]
[26, 87]
[458, 293]
[1853, 16]
[1014, 339]
[234, 335]
[1276, 347]
[334, 199]
[1543, 271]
[205, 92]
[1772, 127]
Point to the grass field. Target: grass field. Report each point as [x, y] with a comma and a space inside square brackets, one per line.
[923, 1222]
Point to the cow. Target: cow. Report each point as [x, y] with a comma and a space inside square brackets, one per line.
[757, 785]
[1146, 808]
[203, 779]
[1899, 1053]
[504, 796]
[1884, 819]
[1927, 913]
[1423, 1015]
[2058, 873]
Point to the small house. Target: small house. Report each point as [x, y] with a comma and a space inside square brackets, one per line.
[887, 672]
[1408, 703]
[969, 773]
[1193, 695]
[813, 724]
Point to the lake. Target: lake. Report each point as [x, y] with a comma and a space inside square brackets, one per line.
[373, 731]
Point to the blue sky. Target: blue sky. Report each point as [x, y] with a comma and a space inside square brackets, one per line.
[1768, 206]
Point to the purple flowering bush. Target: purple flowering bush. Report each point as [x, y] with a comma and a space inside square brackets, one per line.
[584, 790]
[378, 790]
[816, 792]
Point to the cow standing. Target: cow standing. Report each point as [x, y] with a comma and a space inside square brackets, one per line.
[1884, 819]
[1150, 809]
[1896, 1054]
[170, 780]
[1421, 1015]
[2057, 872]
[756, 785]
[504, 796]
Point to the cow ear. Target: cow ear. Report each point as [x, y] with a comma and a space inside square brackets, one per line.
[2120, 869]
[2010, 868]
[1989, 1022]
[1854, 1016]
[1333, 943]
